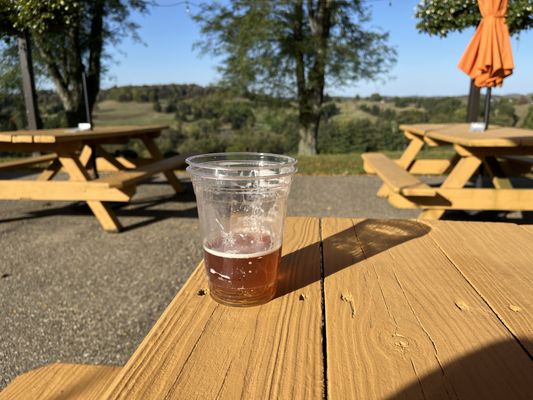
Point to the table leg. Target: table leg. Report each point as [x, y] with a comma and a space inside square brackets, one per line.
[114, 164]
[101, 211]
[463, 171]
[499, 179]
[50, 171]
[152, 148]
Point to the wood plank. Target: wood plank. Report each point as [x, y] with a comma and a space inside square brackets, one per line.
[397, 179]
[495, 136]
[458, 177]
[61, 191]
[200, 349]
[156, 154]
[21, 162]
[50, 171]
[61, 382]
[103, 213]
[415, 145]
[402, 323]
[96, 134]
[124, 179]
[42, 147]
[469, 199]
[432, 167]
[497, 260]
[420, 129]
[528, 228]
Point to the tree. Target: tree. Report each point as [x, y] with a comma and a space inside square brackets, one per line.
[294, 47]
[440, 17]
[68, 35]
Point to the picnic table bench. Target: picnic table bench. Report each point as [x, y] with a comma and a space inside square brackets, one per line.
[72, 152]
[369, 309]
[504, 153]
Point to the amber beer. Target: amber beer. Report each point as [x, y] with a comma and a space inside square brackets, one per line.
[242, 201]
[242, 268]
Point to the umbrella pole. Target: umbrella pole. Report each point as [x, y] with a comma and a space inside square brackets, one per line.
[89, 119]
[487, 107]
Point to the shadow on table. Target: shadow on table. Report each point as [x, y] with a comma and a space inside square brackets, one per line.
[344, 249]
[500, 371]
[148, 210]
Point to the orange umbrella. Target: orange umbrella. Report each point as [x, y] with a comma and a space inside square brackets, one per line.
[488, 58]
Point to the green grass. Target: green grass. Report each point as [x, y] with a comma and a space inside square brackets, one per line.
[110, 113]
[351, 163]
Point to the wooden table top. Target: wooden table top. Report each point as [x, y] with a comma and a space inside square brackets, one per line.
[460, 134]
[68, 135]
[366, 309]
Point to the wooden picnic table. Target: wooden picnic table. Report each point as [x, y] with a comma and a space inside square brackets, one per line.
[500, 150]
[72, 151]
[366, 309]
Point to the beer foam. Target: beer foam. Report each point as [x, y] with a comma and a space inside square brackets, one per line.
[241, 255]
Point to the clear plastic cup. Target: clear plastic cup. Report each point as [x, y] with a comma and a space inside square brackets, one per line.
[242, 202]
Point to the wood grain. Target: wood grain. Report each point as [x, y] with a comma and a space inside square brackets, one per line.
[403, 323]
[200, 349]
[497, 260]
[61, 382]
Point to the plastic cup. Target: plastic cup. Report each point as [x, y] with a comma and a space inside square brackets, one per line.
[242, 202]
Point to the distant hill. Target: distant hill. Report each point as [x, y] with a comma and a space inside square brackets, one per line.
[213, 119]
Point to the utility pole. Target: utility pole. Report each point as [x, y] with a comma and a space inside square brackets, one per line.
[28, 83]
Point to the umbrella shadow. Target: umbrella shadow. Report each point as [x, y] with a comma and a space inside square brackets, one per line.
[344, 249]
[500, 371]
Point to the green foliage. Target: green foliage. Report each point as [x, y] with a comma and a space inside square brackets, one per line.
[503, 112]
[69, 36]
[293, 48]
[329, 110]
[359, 136]
[528, 120]
[440, 17]
[157, 106]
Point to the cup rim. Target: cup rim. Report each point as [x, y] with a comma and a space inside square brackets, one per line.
[212, 165]
[285, 161]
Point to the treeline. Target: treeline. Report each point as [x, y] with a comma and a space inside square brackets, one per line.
[210, 119]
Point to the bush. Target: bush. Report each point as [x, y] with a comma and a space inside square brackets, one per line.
[528, 120]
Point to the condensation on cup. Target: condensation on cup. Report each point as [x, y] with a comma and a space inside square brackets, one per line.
[242, 202]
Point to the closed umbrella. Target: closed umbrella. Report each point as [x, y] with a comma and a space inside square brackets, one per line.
[488, 58]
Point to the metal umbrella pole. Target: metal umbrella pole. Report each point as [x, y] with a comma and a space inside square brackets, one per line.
[487, 107]
[88, 119]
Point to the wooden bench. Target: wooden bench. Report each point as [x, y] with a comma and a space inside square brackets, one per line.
[123, 179]
[23, 162]
[395, 177]
[61, 382]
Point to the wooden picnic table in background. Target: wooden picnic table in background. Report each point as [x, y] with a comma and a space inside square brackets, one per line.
[366, 309]
[72, 151]
[502, 152]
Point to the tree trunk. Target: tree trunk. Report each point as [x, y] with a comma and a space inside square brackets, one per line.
[307, 144]
[311, 88]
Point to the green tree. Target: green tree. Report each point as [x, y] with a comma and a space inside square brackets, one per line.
[294, 47]
[440, 17]
[528, 120]
[67, 35]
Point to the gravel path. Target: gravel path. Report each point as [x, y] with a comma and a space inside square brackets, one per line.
[70, 292]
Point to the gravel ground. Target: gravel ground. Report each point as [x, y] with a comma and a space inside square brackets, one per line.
[70, 292]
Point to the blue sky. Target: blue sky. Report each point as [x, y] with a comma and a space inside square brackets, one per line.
[426, 66]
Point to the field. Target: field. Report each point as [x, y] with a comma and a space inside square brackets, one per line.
[111, 112]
